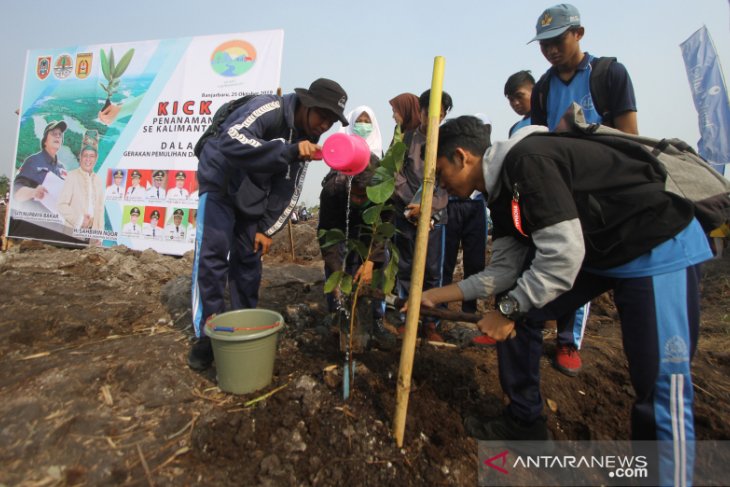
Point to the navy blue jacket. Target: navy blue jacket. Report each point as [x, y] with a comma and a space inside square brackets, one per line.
[34, 169]
[257, 155]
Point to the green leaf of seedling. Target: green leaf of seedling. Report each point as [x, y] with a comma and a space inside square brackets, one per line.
[333, 281]
[346, 284]
[332, 237]
[393, 159]
[381, 192]
[123, 63]
[381, 174]
[372, 214]
[386, 230]
[112, 66]
[378, 279]
[390, 272]
[359, 247]
[399, 153]
[322, 232]
[104, 65]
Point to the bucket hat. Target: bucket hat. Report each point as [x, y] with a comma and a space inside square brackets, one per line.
[327, 94]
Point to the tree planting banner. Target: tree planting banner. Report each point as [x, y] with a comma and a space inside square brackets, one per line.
[104, 152]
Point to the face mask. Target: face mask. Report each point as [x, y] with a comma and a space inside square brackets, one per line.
[362, 129]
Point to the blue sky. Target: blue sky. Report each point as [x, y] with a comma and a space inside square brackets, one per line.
[378, 49]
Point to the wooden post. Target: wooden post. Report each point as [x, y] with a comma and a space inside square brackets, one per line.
[419, 257]
[291, 240]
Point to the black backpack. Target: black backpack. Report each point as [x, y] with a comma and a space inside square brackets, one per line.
[687, 173]
[598, 86]
[220, 117]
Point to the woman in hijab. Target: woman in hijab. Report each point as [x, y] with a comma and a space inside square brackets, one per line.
[363, 123]
[406, 111]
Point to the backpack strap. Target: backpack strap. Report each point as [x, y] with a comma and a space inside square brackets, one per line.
[543, 88]
[600, 91]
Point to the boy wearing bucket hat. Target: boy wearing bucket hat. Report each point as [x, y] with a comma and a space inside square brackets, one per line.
[81, 201]
[28, 183]
[251, 174]
[604, 90]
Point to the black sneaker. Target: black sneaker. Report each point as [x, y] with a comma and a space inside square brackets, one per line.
[200, 356]
[507, 429]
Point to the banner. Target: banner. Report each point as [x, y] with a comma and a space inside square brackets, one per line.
[710, 97]
[104, 151]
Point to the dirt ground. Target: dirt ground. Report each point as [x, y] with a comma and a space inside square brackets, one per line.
[94, 389]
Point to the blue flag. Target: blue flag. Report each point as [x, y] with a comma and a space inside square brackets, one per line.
[710, 97]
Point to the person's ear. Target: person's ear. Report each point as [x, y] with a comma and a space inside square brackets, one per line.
[579, 33]
[460, 157]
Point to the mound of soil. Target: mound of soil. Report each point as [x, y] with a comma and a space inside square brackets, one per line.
[95, 389]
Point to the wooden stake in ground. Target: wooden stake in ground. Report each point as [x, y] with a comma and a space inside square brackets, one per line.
[291, 240]
[289, 224]
[408, 349]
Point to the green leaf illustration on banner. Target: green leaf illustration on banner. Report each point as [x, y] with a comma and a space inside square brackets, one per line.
[113, 72]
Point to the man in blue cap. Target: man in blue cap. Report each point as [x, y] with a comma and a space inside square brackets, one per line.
[604, 90]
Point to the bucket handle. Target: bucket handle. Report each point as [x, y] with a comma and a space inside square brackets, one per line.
[246, 328]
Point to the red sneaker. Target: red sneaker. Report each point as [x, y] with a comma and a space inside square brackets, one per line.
[431, 334]
[567, 360]
[483, 341]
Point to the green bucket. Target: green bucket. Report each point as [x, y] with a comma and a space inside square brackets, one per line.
[244, 348]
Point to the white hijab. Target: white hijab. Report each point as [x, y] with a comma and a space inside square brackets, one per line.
[374, 140]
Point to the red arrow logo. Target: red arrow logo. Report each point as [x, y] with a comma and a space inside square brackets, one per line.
[498, 468]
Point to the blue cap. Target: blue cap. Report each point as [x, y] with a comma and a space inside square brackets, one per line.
[556, 20]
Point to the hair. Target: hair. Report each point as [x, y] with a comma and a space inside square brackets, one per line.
[406, 104]
[425, 98]
[466, 132]
[516, 81]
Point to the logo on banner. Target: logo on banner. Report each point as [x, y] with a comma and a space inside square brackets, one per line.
[43, 67]
[233, 58]
[63, 67]
[83, 64]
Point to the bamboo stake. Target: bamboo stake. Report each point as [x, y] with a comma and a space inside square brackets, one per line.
[419, 257]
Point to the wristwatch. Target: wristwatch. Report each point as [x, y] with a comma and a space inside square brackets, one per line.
[510, 308]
